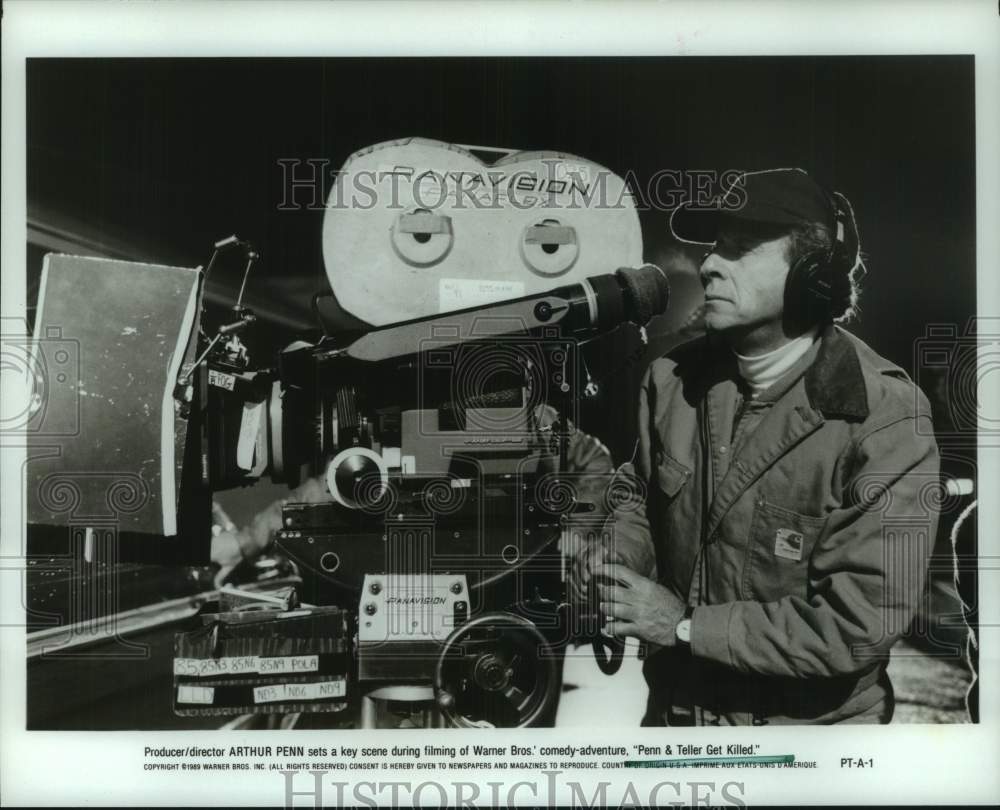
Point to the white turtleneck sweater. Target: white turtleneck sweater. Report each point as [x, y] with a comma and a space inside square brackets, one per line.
[761, 371]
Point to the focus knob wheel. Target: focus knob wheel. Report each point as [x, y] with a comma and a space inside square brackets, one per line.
[497, 670]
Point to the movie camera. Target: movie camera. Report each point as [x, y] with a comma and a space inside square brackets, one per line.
[436, 420]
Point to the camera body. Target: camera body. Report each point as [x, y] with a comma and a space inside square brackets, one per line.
[431, 428]
[439, 461]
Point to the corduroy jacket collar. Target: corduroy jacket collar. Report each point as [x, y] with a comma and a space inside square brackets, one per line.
[834, 383]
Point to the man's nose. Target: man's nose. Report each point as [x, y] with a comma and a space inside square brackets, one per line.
[711, 267]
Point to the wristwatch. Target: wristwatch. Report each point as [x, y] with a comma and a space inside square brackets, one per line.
[683, 629]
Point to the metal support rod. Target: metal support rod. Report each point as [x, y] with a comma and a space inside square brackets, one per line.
[369, 711]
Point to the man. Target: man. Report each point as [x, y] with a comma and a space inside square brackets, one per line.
[761, 573]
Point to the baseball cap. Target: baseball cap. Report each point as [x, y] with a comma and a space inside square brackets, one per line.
[770, 197]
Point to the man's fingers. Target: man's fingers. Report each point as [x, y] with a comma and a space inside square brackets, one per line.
[619, 572]
[611, 592]
[618, 610]
[588, 563]
[585, 566]
[580, 576]
[620, 629]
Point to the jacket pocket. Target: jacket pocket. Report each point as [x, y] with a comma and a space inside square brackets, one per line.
[779, 547]
[671, 475]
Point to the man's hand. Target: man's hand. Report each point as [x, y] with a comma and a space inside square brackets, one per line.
[638, 606]
[227, 553]
[585, 564]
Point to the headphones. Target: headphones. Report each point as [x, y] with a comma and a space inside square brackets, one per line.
[819, 285]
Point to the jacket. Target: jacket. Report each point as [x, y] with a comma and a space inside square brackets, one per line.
[803, 556]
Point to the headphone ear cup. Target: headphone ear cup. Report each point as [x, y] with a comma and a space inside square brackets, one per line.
[808, 288]
[819, 286]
